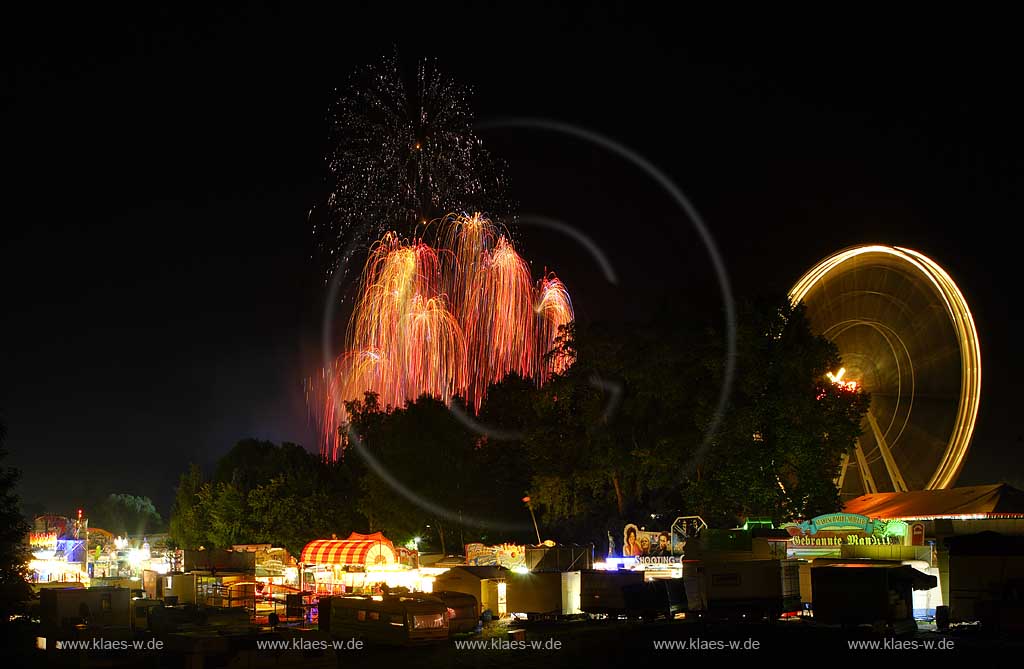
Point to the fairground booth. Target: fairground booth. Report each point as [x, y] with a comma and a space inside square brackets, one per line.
[912, 528]
[58, 547]
[941, 521]
[361, 564]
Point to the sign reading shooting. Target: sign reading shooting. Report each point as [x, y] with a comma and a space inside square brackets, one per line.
[659, 561]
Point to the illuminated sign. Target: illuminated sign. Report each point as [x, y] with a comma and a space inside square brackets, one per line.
[640, 542]
[847, 529]
[43, 540]
[509, 556]
[659, 561]
[836, 521]
[848, 540]
[637, 542]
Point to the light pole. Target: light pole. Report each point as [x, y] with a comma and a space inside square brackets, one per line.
[535, 529]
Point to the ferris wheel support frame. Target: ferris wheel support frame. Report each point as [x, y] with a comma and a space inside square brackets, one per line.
[843, 464]
[866, 478]
[898, 484]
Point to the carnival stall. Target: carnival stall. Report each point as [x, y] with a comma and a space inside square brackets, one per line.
[58, 546]
[361, 564]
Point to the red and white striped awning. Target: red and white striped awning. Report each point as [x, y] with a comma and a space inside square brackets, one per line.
[350, 553]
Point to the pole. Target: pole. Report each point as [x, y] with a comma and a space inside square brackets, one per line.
[535, 528]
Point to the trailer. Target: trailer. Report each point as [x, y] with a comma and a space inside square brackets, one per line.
[463, 610]
[603, 592]
[386, 620]
[751, 590]
[856, 592]
[544, 595]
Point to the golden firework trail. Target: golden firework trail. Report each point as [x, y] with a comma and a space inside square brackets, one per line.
[445, 322]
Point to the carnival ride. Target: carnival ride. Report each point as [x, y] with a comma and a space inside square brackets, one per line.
[907, 337]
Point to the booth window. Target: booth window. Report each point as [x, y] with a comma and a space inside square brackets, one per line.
[361, 615]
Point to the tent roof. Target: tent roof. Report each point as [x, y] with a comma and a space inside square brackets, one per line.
[344, 552]
[376, 536]
[998, 500]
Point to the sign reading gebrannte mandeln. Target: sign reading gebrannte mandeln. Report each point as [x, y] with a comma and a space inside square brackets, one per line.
[846, 529]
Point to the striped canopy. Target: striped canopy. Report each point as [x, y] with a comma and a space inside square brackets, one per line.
[350, 553]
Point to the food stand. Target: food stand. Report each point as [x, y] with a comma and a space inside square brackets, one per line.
[362, 564]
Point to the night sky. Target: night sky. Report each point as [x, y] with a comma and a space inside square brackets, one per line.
[162, 297]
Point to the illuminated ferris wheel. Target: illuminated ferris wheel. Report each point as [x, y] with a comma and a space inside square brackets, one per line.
[905, 335]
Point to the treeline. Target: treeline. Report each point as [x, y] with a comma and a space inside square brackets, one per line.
[124, 514]
[623, 434]
[264, 493]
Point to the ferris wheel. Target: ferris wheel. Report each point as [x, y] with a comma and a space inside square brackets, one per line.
[905, 335]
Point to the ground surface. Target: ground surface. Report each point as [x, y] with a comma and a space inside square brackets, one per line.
[596, 644]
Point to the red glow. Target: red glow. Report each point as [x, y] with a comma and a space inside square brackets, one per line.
[446, 321]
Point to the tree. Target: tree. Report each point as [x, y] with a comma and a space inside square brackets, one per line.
[614, 431]
[125, 514]
[190, 518]
[265, 493]
[276, 512]
[787, 427]
[433, 455]
[230, 520]
[14, 589]
[621, 433]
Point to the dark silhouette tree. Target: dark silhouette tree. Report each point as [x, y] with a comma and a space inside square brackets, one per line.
[14, 589]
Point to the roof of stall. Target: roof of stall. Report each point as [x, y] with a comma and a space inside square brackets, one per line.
[483, 573]
[345, 552]
[919, 580]
[998, 500]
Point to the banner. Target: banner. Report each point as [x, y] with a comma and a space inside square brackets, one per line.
[639, 543]
[846, 529]
[509, 556]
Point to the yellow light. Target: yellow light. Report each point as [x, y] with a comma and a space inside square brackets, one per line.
[967, 337]
[837, 379]
[135, 557]
[502, 598]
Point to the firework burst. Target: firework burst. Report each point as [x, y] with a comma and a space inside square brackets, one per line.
[446, 321]
[400, 157]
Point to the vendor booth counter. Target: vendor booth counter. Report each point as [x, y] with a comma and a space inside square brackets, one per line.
[866, 592]
[359, 564]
